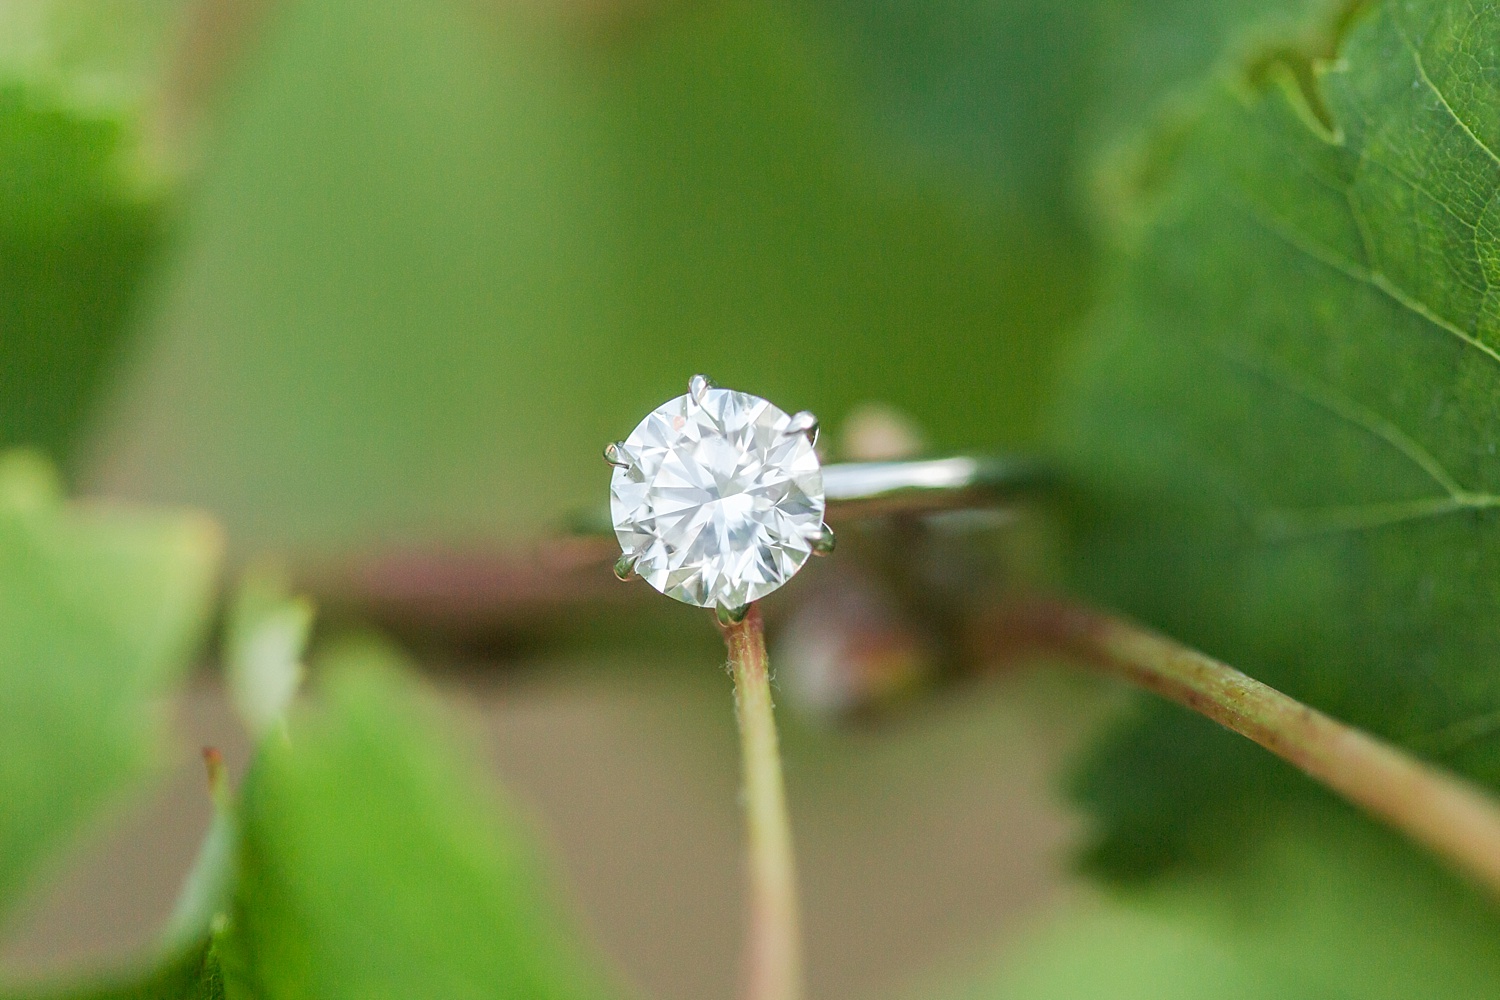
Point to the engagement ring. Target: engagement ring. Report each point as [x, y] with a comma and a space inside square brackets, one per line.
[718, 497]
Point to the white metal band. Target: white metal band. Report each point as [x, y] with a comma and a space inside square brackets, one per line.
[939, 482]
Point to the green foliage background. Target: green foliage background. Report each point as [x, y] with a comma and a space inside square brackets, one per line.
[1233, 265]
[522, 239]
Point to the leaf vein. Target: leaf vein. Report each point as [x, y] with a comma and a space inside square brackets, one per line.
[1331, 400]
[1371, 277]
[1416, 57]
[1291, 525]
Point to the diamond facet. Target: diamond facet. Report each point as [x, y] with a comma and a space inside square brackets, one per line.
[718, 499]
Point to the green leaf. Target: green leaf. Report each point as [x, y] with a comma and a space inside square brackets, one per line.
[977, 91]
[1028, 97]
[100, 53]
[191, 974]
[1327, 909]
[75, 241]
[1157, 59]
[376, 863]
[203, 902]
[1286, 421]
[185, 964]
[81, 215]
[100, 608]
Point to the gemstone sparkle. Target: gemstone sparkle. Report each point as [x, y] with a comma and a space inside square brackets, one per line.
[718, 501]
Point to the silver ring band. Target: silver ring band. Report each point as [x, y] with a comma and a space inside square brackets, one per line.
[934, 483]
[909, 486]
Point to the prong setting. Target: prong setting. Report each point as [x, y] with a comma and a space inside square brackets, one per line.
[804, 422]
[728, 616]
[625, 567]
[614, 454]
[698, 387]
[822, 540]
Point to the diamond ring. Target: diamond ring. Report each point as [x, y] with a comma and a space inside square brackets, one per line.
[718, 497]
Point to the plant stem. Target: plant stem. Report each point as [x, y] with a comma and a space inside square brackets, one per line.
[773, 952]
[1452, 817]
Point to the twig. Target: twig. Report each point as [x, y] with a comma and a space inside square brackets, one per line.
[1452, 817]
[477, 594]
[773, 953]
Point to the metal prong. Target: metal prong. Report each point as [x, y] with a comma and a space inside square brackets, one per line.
[731, 616]
[614, 454]
[822, 541]
[803, 422]
[698, 387]
[625, 567]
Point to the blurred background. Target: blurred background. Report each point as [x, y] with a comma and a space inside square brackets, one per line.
[364, 276]
[373, 280]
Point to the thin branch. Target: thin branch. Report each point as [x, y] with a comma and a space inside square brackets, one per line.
[477, 594]
[1452, 817]
[773, 952]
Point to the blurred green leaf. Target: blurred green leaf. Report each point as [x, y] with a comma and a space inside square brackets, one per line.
[193, 974]
[188, 967]
[99, 611]
[76, 235]
[1023, 99]
[986, 93]
[98, 53]
[1287, 420]
[376, 863]
[1326, 909]
[81, 214]
[185, 964]
[1161, 61]
[203, 902]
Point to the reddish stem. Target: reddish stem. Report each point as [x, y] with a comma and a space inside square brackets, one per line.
[1452, 817]
[773, 953]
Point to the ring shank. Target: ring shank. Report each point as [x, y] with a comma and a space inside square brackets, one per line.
[869, 489]
[930, 484]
